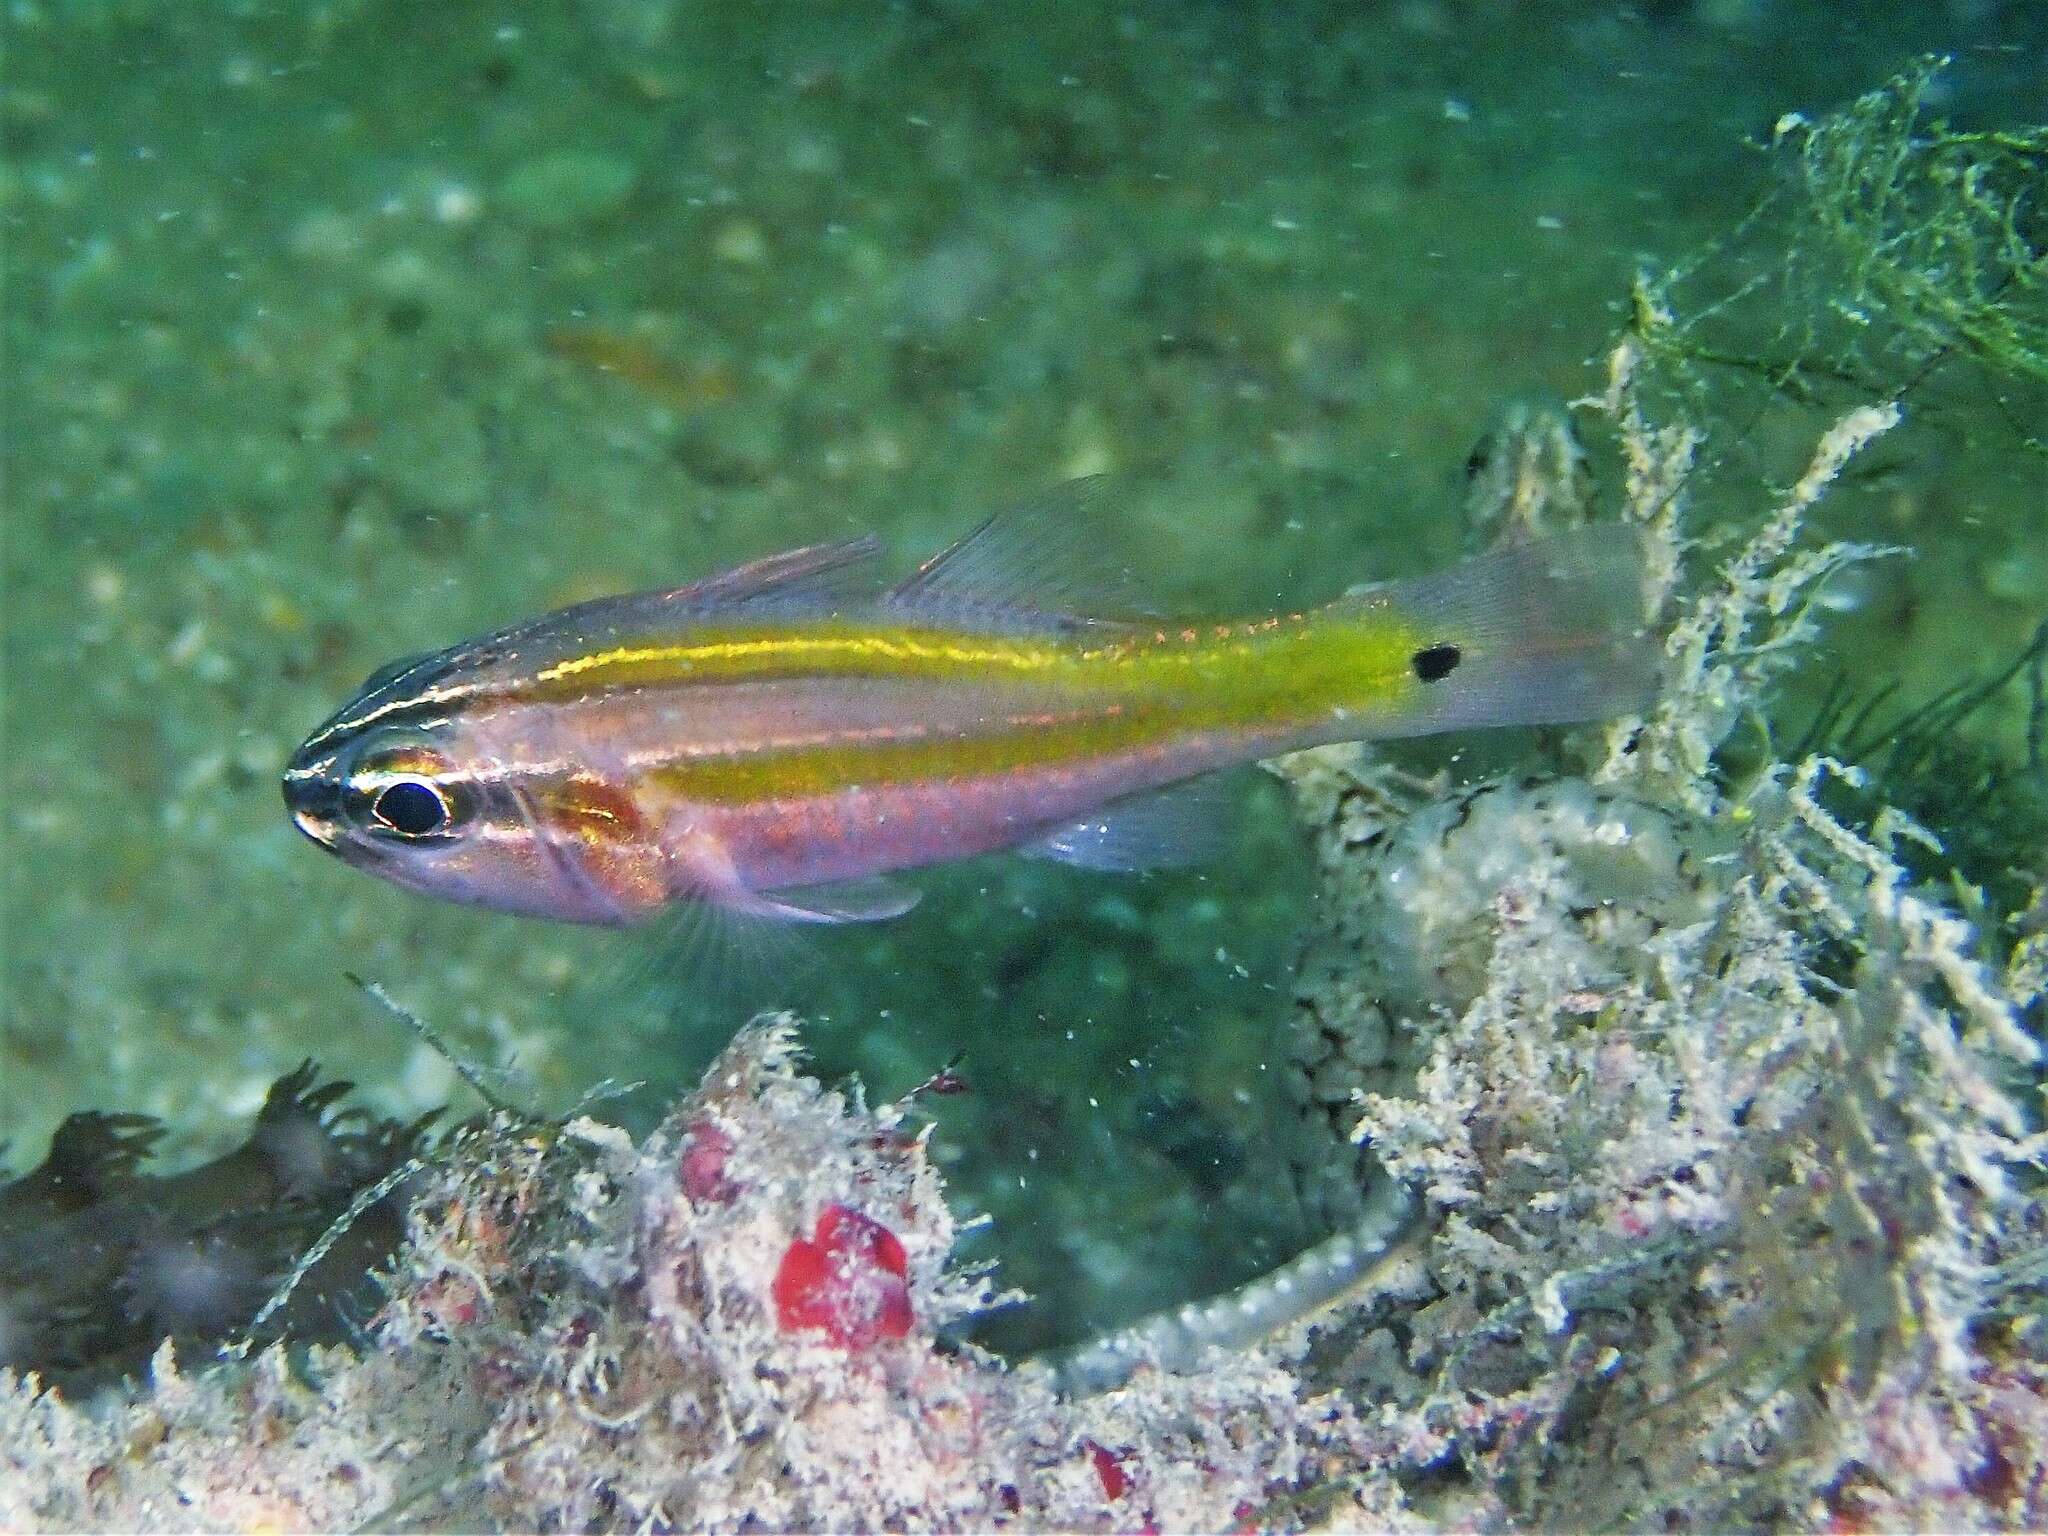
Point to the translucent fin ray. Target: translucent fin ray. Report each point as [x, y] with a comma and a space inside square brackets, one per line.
[1536, 633]
[706, 959]
[813, 579]
[1165, 829]
[1037, 565]
[811, 571]
[868, 900]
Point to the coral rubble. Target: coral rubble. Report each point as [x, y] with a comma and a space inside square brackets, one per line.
[742, 1321]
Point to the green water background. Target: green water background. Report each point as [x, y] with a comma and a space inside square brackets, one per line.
[295, 386]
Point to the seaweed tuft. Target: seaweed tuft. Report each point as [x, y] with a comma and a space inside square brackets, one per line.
[102, 1259]
[1986, 809]
[1891, 242]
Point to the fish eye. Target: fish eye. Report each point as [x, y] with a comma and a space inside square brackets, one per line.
[412, 808]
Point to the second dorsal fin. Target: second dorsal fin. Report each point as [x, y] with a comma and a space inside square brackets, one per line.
[1039, 564]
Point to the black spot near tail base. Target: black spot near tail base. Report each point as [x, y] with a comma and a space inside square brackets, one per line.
[1436, 662]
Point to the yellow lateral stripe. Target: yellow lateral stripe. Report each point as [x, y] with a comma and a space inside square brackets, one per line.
[811, 771]
[832, 652]
[1296, 655]
[1240, 677]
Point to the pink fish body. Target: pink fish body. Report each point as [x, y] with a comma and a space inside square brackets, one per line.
[773, 741]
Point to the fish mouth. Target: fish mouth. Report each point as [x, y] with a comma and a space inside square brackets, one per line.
[313, 796]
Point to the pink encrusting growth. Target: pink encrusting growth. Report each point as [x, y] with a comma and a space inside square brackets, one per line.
[1109, 1470]
[845, 1281]
[772, 743]
[701, 1167]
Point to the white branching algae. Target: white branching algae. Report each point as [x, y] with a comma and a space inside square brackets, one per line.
[1718, 1120]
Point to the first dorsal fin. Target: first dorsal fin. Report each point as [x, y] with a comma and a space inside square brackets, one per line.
[812, 573]
[814, 578]
[1039, 564]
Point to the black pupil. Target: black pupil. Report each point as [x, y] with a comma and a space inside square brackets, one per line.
[411, 808]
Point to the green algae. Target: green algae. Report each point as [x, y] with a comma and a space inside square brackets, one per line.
[1890, 242]
[1985, 808]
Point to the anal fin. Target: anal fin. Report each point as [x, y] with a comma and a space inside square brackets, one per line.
[1169, 828]
[868, 900]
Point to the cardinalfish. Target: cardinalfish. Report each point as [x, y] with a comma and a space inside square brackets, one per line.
[785, 739]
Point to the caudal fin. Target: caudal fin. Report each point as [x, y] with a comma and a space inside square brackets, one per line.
[1537, 633]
